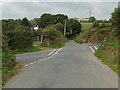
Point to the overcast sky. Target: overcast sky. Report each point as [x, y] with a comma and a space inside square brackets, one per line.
[15, 10]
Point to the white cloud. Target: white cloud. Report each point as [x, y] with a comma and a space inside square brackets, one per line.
[59, 0]
[36, 9]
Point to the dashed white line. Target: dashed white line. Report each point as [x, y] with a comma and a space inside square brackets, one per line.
[57, 51]
[92, 49]
[51, 52]
[95, 47]
[45, 58]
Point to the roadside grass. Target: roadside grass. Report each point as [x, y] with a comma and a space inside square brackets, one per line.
[108, 53]
[66, 40]
[9, 67]
[27, 50]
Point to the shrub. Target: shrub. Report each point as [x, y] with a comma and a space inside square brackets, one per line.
[95, 24]
[60, 27]
[8, 66]
[102, 25]
[8, 62]
[52, 36]
[19, 39]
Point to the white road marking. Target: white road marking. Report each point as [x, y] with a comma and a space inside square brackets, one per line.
[26, 65]
[95, 47]
[92, 49]
[31, 63]
[45, 58]
[51, 52]
[57, 51]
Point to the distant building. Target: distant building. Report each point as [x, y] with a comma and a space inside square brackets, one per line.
[35, 27]
[82, 19]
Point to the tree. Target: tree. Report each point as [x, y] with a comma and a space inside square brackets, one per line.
[73, 26]
[48, 19]
[92, 19]
[8, 25]
[45, 20]
[60, 18]
[52, 36]
[25, 22]
[115, 19]
[60, 27]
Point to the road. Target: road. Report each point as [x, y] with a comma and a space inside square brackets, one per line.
[73, 66]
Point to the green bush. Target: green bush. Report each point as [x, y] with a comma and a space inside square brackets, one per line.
[95, 24]
[19, 39]
[60, 27]
[8, 61]
[52, 36]
[8, 66]
[102, 25]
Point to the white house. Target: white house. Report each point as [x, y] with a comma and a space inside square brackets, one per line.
[35, 27]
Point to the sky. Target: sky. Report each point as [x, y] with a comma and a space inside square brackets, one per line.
[74, 9]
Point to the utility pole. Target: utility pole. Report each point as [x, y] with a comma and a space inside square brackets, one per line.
[90, 16]
[119, 4]
[65, 28]
[90, 13]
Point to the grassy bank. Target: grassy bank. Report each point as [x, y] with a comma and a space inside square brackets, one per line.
[108, 51]
[9, 66]
[107, 37]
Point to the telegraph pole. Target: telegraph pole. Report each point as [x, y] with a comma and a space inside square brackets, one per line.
[90, 16]
[90, 13]
[119, 4]
[65, 28]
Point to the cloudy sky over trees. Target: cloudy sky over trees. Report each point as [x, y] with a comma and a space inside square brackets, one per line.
[99, 9]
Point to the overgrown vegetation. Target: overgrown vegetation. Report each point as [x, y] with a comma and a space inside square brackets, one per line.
[8, 62]
[107, 36]
[108, 51]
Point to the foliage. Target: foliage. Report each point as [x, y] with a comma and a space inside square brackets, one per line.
[25, 22]
[73, 26]
[19, 39]
[115, 19]
[48, 19]
[8, 24]
[95, 24]
[92, 19]
[52, 36]
[27, 50]
[108, 51]
[8, 66]
[60, 27]
[8, 62]
[18, 24]
[103, 25]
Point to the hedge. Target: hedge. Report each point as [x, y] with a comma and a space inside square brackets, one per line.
[19, 39]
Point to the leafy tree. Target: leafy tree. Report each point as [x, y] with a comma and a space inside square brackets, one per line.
[52, 36]
[45, 20]
[92, 19]
[115, 19]
[73, 26]
[48, 19]
[19, 39]
[8, 25]
[60, 18]
[25, 22]
[60, 27]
